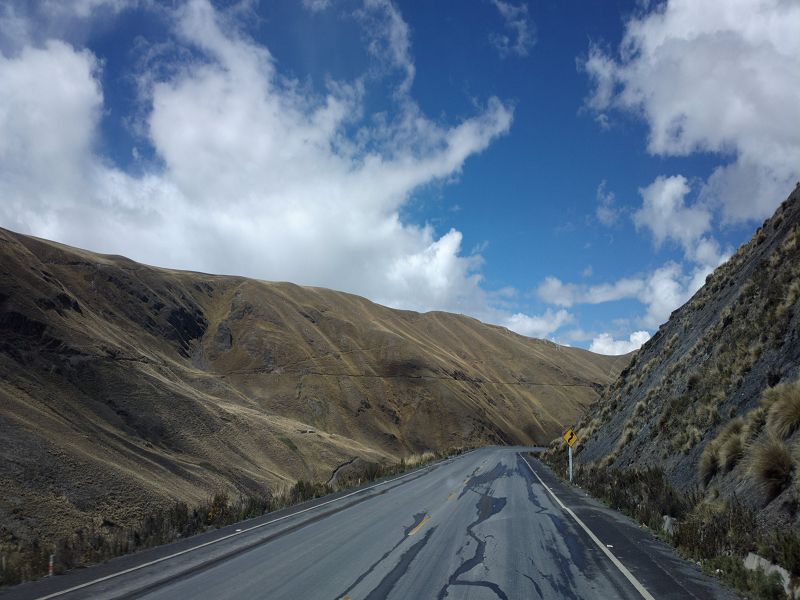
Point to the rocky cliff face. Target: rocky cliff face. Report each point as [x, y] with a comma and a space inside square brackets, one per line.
[124, 386]
[704, 398]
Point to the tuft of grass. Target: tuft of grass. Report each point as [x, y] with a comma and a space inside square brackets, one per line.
[783, 416]
[772, 465]
[627, 436]
[731, 452]
[692, 437]
[731, 444]
[754, 424]
[709, 462]
[638, 410]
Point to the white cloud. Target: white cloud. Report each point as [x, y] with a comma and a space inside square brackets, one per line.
[553, 291]
[713, 77]
[255, 175]
[665, 290]
[606, 212]
[84, 8]
[389, 39]
[606, 344]
[665, 214]
[661, 291]
[316, 5]
[522, 33]
[539, 326]
[49, 110]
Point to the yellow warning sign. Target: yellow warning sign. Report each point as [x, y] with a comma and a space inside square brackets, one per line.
[570, 437]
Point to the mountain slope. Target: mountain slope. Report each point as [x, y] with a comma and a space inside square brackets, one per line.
[123, 386]
[703, 397]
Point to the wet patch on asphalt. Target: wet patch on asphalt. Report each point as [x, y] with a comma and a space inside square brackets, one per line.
[417, 520]
[486, 507]
[485, 478]
[524, 472]
[392, 577]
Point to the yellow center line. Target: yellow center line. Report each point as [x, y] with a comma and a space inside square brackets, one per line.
[418, 527]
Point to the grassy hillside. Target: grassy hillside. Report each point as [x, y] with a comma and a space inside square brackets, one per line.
[703, 424]
[697, 396]
[124, 386]
[713, 398]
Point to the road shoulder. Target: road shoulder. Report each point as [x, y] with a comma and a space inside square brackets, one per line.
[651, 560]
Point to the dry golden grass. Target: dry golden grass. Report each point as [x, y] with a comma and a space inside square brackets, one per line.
[772, 465]
[691, 438]
[783, 416]
[731, 452]
[419, 459]
[638, 410]
[142, 385]
[709, 462]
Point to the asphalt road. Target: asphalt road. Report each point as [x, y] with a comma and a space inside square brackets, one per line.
[483, 525]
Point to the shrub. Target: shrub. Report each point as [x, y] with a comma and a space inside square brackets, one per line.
[715, 529]
[783, 548]
[772, 465]
[783, 416]
[643, 494]
[757, 584]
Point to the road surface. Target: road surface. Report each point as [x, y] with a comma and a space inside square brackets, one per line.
[484, 525]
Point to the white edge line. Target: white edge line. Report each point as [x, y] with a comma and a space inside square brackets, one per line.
[226, 537]
[623, 569]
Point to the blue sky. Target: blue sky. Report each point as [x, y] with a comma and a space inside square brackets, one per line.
[570, 170]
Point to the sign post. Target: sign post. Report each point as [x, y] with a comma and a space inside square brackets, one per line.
[571, 438]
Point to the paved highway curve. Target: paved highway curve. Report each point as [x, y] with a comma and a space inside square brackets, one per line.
[482, 525]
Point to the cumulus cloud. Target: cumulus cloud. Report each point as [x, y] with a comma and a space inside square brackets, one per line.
[553, 291]
[521, 33]
[713, 77]
[540, 326]
[661, 291]
[47, 130]
[606, 344]
[665, 214]
[254, 174]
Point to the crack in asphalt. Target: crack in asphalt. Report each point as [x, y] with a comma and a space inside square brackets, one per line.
[561, 589]
[536, 586]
